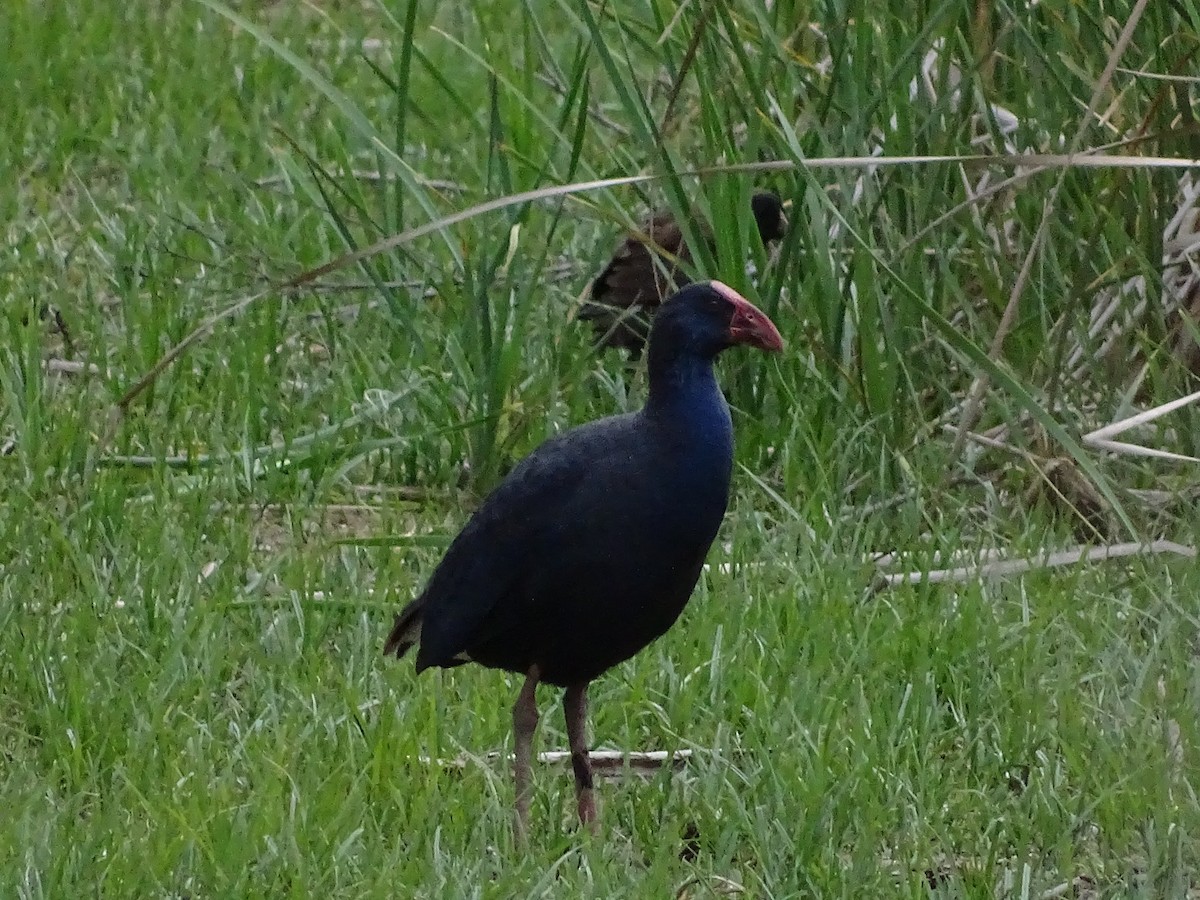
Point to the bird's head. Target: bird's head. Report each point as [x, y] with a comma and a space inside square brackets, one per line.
[708, 317]
[768, 216]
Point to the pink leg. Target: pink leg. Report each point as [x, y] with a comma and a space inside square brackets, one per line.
[525, 719]
[575, 710]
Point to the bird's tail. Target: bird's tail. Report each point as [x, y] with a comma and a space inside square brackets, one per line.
[407, 630]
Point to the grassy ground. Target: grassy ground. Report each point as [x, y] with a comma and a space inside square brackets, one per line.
[194, 702]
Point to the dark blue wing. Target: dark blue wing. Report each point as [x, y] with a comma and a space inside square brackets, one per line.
[504, 540]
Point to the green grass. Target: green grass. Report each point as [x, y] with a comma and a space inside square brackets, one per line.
[192, 602]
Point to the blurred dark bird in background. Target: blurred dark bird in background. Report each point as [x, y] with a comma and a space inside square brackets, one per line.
[646, 269]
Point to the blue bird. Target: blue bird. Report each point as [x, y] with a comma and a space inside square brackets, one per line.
[590, 548]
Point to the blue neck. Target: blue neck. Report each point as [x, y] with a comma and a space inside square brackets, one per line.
[684, 396]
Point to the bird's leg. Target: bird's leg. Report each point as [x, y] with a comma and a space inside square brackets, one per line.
[525, 719]
[575, 710]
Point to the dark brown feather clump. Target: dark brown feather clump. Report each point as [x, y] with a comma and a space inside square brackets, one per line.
[648, 266]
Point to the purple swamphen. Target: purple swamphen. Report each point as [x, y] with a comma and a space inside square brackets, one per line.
[645, 270]
[590, 548]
